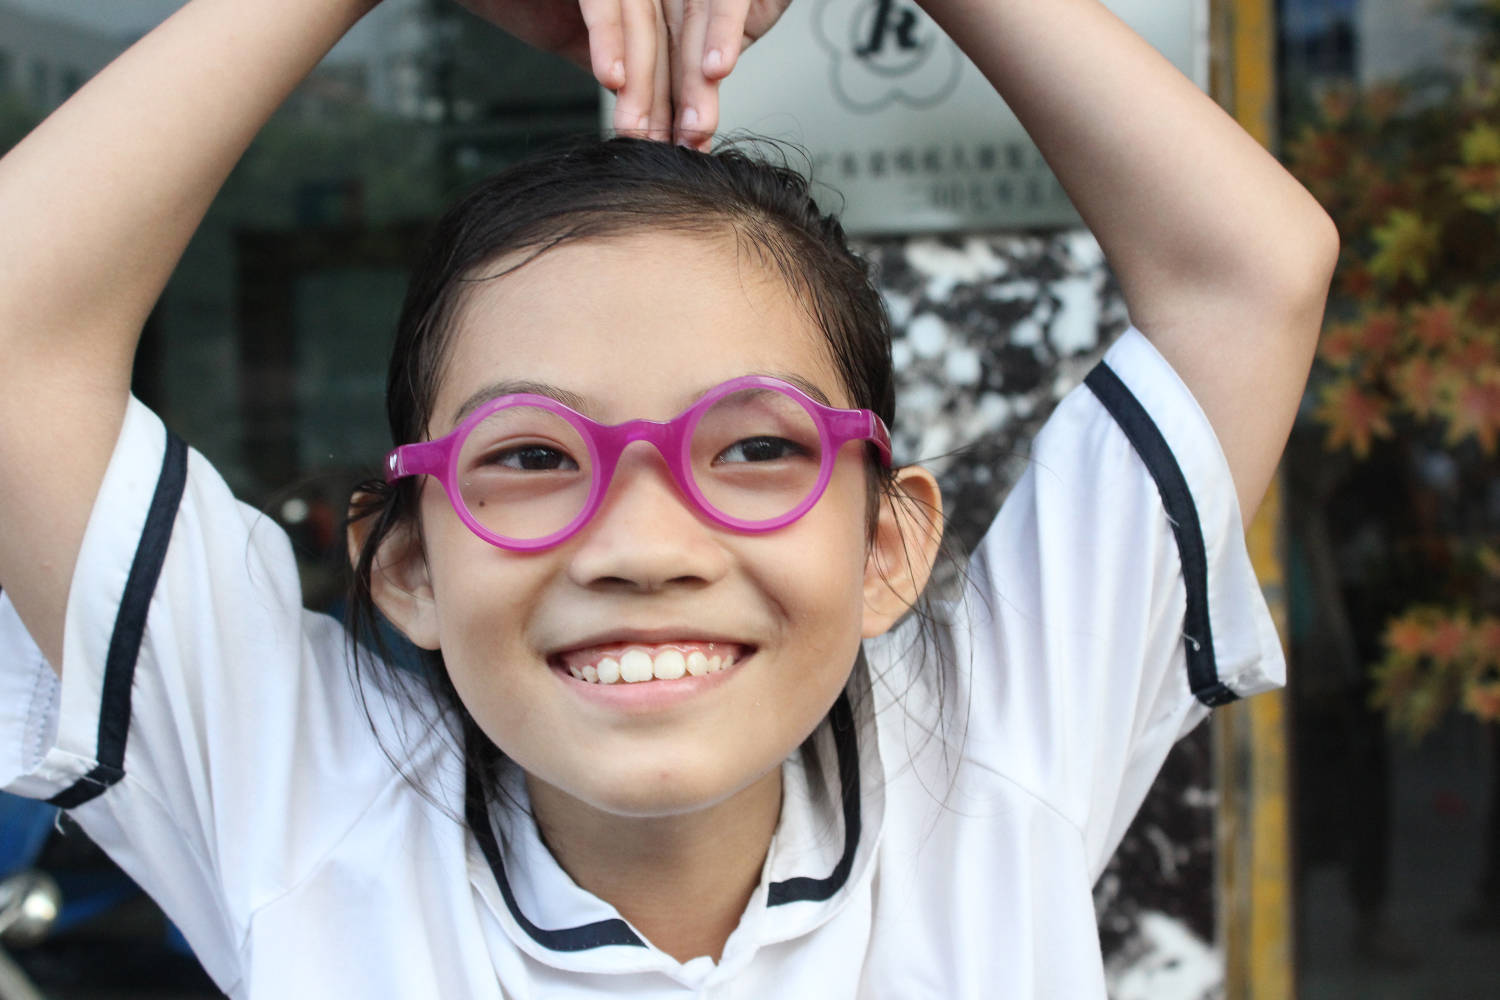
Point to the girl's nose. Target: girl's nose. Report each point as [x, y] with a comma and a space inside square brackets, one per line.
[646, 535]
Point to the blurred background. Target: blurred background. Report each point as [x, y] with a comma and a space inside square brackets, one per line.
[1343, 842]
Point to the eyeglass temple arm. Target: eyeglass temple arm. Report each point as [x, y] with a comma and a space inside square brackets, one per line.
[416, 459]
[863, 425]
[880, 437]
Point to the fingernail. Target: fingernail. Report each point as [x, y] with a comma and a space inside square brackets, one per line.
[643, 123]
[690, 118]
[714, 61]
[617, 72]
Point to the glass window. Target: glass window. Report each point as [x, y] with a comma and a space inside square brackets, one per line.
[289, 293]
[1393, 512]
[41, 82]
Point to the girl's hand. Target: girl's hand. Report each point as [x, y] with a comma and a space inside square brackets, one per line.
[664, 59]
[707, 39]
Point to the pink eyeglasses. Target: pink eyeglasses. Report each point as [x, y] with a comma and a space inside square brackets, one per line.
[525, 472]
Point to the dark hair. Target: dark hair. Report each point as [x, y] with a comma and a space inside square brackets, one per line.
[594, 190]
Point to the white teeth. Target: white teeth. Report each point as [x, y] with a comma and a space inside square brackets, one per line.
[636, 666]
[669, 665]
[609, 670]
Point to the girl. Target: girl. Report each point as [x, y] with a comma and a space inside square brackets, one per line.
[700, 746]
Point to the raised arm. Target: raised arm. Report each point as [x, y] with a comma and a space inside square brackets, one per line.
[1224, 259]
[96, 207]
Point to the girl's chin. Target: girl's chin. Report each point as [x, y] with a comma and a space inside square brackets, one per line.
[649, 795]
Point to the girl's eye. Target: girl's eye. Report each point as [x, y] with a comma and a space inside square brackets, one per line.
[533, 458]
[760, 449]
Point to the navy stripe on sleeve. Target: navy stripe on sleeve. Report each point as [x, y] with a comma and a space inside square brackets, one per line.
[1151, 446]
[130, 629]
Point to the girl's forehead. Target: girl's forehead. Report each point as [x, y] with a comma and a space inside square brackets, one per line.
[633, 325]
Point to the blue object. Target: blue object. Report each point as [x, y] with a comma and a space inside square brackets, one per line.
[25, 825]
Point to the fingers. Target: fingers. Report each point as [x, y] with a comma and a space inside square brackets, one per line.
[724, 37]
[606, 41]
[695, 96]
[661, 104]
[637, 96]
[708, 45]
[665, 65]
[644, 98]
[627, 41]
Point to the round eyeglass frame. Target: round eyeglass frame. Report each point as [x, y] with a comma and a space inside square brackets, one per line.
[606, 442]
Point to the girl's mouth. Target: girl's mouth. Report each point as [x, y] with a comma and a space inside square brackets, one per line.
[635, 663]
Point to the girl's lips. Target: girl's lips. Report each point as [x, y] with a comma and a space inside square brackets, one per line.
[637, 662]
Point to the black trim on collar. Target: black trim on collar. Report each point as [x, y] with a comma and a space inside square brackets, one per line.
[582, 938]
[846, 742]
[1182, 513]
[617, 931]
[129, 630]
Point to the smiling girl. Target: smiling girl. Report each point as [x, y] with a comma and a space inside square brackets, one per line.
[678, 730]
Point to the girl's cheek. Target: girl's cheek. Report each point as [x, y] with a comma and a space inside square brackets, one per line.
[821, 571]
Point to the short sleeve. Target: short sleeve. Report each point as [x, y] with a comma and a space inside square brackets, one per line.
[206, 731]
[1111, 604]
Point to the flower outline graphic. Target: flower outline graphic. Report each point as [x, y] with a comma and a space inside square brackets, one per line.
[884, 52]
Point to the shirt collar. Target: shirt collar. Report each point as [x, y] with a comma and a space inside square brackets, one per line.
[819, 858]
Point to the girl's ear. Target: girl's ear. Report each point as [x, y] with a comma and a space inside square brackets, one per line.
[908, 535]
[399, 582]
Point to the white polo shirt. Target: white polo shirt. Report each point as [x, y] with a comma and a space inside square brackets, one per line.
[208, 736]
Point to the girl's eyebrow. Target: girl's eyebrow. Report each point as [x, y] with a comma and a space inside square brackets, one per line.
[806, 385]
[512, 387]
[573, 401]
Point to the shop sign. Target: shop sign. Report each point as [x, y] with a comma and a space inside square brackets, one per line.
[901, 128]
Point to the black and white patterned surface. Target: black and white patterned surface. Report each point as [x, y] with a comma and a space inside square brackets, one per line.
[991, 331]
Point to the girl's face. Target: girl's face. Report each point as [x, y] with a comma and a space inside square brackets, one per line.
[640, 326]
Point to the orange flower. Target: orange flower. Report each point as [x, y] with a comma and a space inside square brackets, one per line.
[1339, 345]
[1483, 699]
[1353, 417]
[1420, 385]
[1435, 324]
[1475, 352]
[1379, 332]
[1406, 637]
[1484, 641]
[1448, 640]
[1475, 409]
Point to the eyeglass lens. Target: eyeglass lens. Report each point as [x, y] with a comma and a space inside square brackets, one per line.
[524, 471]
